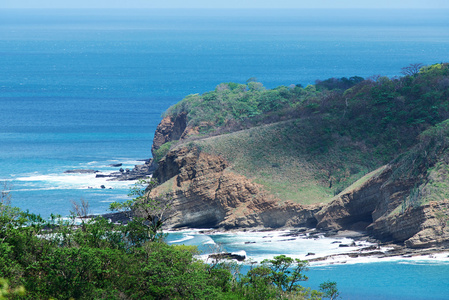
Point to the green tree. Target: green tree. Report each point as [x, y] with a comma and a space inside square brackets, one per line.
[276, 278]
[148, 214]
[286, 272]
[6, 292]
[329, 289]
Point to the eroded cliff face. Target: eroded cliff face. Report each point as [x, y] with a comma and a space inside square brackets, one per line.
[375, 198]
[206, 194]
[169, 129]
[375, 207]
[418, 227]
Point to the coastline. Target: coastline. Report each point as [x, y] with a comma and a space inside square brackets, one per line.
[353, 246]
[350, 247]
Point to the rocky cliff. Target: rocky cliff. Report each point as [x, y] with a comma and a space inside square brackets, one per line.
[206, 194]
[169, 129]
[377, 206]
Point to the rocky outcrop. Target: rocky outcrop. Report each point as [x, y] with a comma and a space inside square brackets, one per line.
[207, 195]
[144, 170]
[227, 255]
[374, 207]
[365, 204]
[418, 227]
[169, 129]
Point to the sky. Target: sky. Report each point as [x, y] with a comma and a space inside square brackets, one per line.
[292, 4]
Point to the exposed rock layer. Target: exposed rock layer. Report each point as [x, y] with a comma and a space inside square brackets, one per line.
[375, 205]
[206, 194]
[169, 129]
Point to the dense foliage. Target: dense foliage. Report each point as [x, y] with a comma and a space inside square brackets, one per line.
[386, 114]
[96, 259]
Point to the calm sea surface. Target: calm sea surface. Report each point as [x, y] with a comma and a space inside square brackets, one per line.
[86, 89]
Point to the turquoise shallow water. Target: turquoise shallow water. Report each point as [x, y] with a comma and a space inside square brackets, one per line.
[85, 89]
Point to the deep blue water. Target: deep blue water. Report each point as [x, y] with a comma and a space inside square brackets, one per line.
[84, 89]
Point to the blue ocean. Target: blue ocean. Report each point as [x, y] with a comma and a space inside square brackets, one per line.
[86, 89]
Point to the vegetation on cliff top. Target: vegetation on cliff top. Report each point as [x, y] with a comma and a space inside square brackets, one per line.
[309, 143]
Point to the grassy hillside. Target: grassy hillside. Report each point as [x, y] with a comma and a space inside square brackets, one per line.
[308, 144]
[281, 157]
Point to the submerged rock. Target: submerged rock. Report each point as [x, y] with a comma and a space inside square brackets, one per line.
[81, 171]
[227, 255]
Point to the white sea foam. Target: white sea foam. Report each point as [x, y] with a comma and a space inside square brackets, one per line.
[440, 258]
[65, 181]
[189, 237]
[259, 246]
[241, 252]
[209, 242]
[68, 181]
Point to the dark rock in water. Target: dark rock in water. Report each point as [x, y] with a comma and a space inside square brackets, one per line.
[336, 242]
[347, 245]
[331, 233]
[370, 248]
[250, 242]
[296, 232]
[102, 176]
[118, 217]
[81, 171]
[228, 255]
[138, 172]
[310, 253]
[287, 240]
[102, 186]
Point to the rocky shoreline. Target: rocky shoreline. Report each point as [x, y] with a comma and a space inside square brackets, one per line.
[376, 250]
[144, 170]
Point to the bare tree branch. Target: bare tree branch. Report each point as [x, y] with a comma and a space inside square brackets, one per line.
[412, 69]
